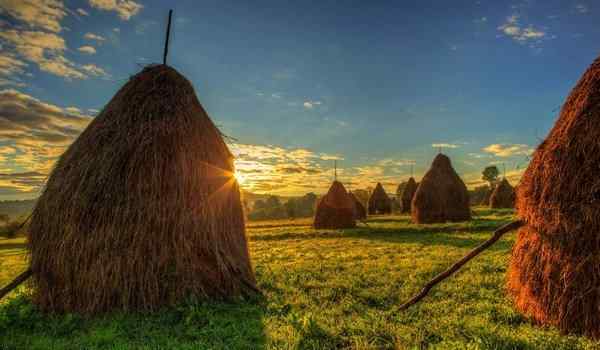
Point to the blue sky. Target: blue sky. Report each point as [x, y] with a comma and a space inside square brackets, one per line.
[376, 84]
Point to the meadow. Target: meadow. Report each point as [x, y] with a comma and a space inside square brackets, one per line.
[323, 289]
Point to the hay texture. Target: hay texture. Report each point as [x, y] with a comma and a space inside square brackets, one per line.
[360, 213]
[441, 196]
[336, 209]
[379, 202]
[407, 195]
[503, 196]
[554, 274]
[142, 210]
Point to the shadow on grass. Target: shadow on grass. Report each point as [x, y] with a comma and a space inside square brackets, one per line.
[190, 325]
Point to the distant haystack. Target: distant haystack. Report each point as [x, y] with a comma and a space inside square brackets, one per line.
[142, 210]
[554, 274]
[336, 209]
[407, 195]
[360, 213]
[379, 202]
[441, 196]
[503, 196]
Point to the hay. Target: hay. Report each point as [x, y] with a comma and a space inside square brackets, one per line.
[441, 196]
[379, 202]
[503, 196]
[407, 195]
[142, 210]
[360, 213]
[335, 210]
[554, 274]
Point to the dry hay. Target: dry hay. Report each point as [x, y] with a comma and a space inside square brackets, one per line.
[142, 210]
[407, 195]
[554, 274]
[336, 209]
[441, 196]
[503, 196]
[360, 213]
[379, 202]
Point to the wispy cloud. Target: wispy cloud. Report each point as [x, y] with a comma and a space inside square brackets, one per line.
[445, 145]
[508, 150]
[92, 36]
[125, 9]
[311, 104]
[90, 50]
[581, 8]
[82, 12]
[514, 30]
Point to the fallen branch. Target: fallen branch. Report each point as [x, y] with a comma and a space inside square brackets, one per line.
[473, 253]
[15, 283]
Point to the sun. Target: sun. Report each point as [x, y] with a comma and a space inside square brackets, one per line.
[239, 177]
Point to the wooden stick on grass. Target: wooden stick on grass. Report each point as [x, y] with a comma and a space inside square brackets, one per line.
[15, 283]
[457, 265]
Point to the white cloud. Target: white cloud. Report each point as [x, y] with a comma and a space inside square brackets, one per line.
[311, 104]
[90, 50]
[37, 14]
[514, 30]
[125, 9]
[117, 30]
[581, 8]
[92, 36]
[82, 12]
[94, 70]
[508, 150]
[444, 145]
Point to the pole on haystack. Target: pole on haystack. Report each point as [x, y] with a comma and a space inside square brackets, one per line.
[335, 169]
[167, 38]
[457, 265]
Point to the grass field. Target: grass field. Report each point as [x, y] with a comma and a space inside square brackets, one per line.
[323, 290]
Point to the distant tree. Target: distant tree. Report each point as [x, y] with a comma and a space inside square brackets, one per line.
[490, 174]
[259, 204]
[480, 195]
[272, 202]
[4, 218]
[291, 208]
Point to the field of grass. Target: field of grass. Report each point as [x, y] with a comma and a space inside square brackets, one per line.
[323, 289]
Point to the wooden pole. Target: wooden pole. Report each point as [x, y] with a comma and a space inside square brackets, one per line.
[15, 283]
[473, 253]
[335, 170]
[167, 38]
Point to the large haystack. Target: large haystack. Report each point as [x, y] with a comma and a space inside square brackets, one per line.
[142, 210]
[441, 196]
[503, 196]
[379, 202]
[360, 213]
[336, 209]
[554, 274]
[407, 195]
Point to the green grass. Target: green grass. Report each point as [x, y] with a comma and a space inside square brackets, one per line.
[323, 289]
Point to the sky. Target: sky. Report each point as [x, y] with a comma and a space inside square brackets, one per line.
[379, 86]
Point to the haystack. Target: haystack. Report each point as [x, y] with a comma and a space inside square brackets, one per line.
[441, 196]
[360, 213]
[379, 202]
[142, 210]
[336, 209]
[407, 195]
[503, 196]
[554, 274]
